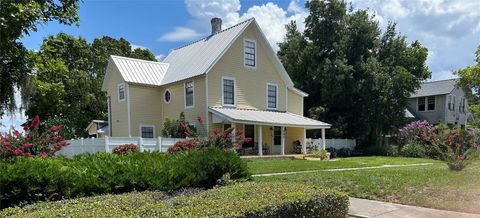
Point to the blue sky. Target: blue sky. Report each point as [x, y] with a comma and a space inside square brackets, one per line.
[450, 29]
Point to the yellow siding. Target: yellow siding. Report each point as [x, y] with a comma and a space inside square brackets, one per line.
[292, 134]
[173, 109]
[250, 83]
[119, 109]
[295, 103]
[145, 108]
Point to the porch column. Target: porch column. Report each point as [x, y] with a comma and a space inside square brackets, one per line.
[234, 130]
[323, 138]
[304, 144]
[282, 143]
[260, 141]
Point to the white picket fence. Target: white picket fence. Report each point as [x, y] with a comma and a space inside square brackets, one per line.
[332, 143]
[94, 145]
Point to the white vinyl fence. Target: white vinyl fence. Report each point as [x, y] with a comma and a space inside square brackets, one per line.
[94, 145]
[332, 143]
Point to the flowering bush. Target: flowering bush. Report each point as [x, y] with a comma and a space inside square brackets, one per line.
[413, 132]
[125, 149]
[178, 128]
[32, 142]
[186, 145]
[224, 139]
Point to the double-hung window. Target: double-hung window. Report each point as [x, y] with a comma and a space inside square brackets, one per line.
[421, 104]
[228, 91]
[451, 102]
[272, 96]
[189, 95]
[426, 103]
[147, 131]
[431, 103]
[121, 92]
[249, 53]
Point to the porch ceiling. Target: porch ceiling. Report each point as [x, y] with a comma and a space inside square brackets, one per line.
[268, 118]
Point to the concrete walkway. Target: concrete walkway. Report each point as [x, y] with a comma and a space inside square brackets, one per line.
[341, 169]
[370, 208]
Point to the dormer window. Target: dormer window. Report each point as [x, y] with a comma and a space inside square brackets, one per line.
[249, 53]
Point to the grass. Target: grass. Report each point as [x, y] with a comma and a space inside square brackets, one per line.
[431, 186]
[276, 166]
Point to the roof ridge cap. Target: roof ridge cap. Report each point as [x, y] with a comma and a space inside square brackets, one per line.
[443, 80]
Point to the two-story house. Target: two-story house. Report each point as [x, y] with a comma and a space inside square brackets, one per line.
[231, 78]
[440, 102]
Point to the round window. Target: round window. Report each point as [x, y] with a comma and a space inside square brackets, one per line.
[167, 96]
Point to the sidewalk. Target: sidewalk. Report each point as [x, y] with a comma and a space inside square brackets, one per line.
[369, 208]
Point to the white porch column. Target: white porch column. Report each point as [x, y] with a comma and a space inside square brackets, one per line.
[260, 141]
[323, 138]
[234, 130]
[282, 143]
[304, 144]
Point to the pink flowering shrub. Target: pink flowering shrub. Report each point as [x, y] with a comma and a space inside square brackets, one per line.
[186, 145]
[413, 132]
[32, 142]
[224, 139]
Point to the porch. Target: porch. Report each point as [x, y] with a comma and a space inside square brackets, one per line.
[271, 132]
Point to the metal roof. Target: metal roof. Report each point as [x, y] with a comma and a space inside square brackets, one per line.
[440, 87]
[140, 71]
[273, 118]
[196, 58]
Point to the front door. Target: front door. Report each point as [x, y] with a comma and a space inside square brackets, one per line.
[277, 140]
[249, 131]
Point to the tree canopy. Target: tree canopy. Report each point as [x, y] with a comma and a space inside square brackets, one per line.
[359, 79]
[18, 18]
[470, 82]
[67, 79]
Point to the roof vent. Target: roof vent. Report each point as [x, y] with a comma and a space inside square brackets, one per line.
[216, 25]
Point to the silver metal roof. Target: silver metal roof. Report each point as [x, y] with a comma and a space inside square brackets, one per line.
[140, 71]
[196, 58]
[441, 87]
[273, 118]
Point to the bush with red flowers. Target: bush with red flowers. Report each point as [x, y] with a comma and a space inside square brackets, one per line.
[125, 149]
[225, 139]
[32, 142]
[184, 145]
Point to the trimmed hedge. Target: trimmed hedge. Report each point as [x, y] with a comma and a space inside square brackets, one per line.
[240, 200]
[32, 179]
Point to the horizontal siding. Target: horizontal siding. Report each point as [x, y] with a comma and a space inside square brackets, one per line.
[295, 103]
[119, 110]
[145, 108]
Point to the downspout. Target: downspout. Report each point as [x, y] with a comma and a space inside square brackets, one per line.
[206, 106]
[128, 111]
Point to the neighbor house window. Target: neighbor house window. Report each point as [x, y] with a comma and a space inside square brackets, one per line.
[451, 102]
[121, 92]
[272, 94]
[189, 99]
[147, 131]
[462, 106]
[249, 50]
[421, 104]
[228, 91]
[431, 103]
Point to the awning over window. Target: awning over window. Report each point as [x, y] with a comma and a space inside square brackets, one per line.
[269, 118]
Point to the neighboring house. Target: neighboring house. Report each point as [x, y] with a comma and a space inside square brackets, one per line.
[97, 129]
[440, 102]
[231, 78]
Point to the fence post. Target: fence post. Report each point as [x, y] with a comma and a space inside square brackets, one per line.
[140, 143]
[81, 141]
[159, 143]
[107, 147]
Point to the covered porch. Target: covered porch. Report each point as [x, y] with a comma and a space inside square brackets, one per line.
[271, 132]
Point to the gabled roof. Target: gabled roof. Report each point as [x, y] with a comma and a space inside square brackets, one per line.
[271, 118]
[440, 87]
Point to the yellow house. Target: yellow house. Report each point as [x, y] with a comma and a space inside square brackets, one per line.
[231, 78]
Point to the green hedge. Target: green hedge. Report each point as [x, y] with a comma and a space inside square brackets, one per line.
[240, 200]
[32, 179]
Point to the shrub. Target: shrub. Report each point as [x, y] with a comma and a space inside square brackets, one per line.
[178, 128]
[223, 139]
[412, 150]
[125, 149]
[322, 154]
[31, 143]
[342, 152]
[239, 200]
[414, 131]
[184, 145]
[392, 150]
[32, 179]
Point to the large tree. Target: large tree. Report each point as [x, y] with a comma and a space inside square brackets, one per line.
[68, 76]
[470, 82]
[19, 18]
[359, 79]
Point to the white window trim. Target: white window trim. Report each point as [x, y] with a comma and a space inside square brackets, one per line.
[140, 129]
[266, 96]
[124, 92]
[165, 92]
[453, 98]
[234, 92]
[426, 104]
[185, 94]
[256, 52]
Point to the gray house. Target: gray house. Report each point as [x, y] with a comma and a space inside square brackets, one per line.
[439, 102]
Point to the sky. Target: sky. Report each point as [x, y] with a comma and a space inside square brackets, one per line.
[450, 29]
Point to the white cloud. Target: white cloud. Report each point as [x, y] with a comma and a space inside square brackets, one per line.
[180, 34]
[395, 9]
[160, 57]
[137, 46]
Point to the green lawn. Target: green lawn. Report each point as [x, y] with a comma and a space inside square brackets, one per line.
[428, 186]
[274, 166]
